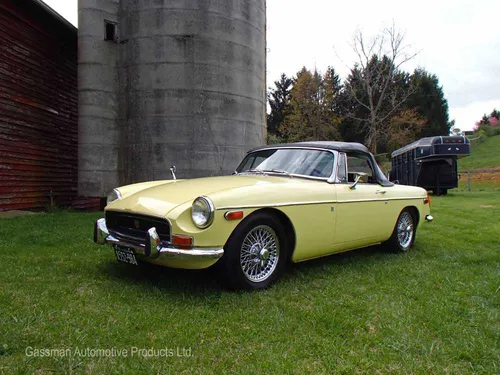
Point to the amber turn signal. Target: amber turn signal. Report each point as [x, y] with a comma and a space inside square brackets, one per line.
[427, 200]
[182, 241]
[233, 215]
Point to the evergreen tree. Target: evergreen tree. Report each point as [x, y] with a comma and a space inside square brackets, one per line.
[311, 114]
[279, 101]
[429, 102]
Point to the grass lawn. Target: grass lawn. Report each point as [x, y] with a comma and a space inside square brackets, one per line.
[435, 310]
[483, 156]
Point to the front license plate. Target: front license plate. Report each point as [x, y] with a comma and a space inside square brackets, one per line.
[125, 255]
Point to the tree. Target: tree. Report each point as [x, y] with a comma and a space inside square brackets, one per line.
[404, 128]
[376, 87]
[429, 101]
[332, 92]
[279, 101]
[492, 120]
[312, 105]
[490, 124]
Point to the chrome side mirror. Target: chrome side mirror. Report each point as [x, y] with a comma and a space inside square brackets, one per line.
[172, 170]
[358, 177]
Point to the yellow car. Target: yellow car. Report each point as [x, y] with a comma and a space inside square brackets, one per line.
[288, 202]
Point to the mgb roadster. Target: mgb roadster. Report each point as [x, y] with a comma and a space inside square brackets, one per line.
[283, 203]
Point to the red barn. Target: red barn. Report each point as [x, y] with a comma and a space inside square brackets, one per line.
[38, 106]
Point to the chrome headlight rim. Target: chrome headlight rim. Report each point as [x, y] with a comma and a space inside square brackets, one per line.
[210, 212]
[114, 195]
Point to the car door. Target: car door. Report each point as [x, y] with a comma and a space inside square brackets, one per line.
[362, 213]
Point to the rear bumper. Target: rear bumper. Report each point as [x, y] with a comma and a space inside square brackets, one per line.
[154, 250]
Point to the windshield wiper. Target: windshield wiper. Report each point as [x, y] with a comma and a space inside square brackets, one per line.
[264, 171]
[280, 171]
[255, 170]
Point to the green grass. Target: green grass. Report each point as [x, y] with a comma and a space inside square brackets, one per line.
[435, 310]
[483, 156]
[477, 185]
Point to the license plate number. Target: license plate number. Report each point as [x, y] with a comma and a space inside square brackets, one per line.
[125, 255]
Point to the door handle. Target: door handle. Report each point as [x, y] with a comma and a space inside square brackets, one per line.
[381, 192]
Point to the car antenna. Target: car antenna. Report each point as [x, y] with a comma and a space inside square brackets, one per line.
[172, 170]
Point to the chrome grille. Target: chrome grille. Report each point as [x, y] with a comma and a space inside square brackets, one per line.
[134, 227]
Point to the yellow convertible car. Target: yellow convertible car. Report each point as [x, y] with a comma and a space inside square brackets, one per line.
[288, 202]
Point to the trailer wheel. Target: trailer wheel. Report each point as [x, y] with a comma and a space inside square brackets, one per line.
[438, 192]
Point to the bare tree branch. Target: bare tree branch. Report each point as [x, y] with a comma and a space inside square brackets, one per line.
[376, 86]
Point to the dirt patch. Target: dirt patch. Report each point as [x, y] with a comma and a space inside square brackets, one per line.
[493, 177]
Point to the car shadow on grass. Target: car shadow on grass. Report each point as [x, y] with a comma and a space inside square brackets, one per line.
[366, 256]
[208, 281]
[168, 279]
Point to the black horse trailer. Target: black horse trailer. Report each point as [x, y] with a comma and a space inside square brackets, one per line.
[430, 163]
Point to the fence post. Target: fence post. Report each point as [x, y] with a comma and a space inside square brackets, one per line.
[468, 180]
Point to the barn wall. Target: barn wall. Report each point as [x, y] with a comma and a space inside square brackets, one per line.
[38, 108]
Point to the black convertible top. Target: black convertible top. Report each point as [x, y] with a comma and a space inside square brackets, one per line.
[329, 145]
[337, 146]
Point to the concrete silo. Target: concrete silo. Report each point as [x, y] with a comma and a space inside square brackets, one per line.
[177, 82]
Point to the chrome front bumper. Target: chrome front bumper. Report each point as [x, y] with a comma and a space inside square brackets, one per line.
[155, 249]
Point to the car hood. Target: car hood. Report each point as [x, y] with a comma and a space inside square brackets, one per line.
[159, 200]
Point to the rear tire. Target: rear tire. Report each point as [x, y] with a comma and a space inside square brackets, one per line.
[255, 255]
[404, 233]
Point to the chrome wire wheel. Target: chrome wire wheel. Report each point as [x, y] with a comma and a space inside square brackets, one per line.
[259, 253]
[405, 230]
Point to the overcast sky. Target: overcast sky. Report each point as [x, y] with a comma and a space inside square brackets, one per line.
[458, 40]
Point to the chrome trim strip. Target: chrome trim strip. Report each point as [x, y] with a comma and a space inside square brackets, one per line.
[274, 205]
[381, 199]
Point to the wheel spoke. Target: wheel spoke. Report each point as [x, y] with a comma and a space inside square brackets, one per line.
[405, 230]
[259, 253]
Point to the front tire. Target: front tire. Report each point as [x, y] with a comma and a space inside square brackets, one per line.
[255, 255]
[403, 235]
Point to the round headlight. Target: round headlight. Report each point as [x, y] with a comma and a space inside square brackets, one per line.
[113, 196]
[202, 212]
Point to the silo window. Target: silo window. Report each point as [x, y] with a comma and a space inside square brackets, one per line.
[110, 31]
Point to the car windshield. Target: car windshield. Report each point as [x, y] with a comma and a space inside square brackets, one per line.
[301, 162]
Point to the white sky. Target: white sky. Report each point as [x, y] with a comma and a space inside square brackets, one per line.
[458, 40]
